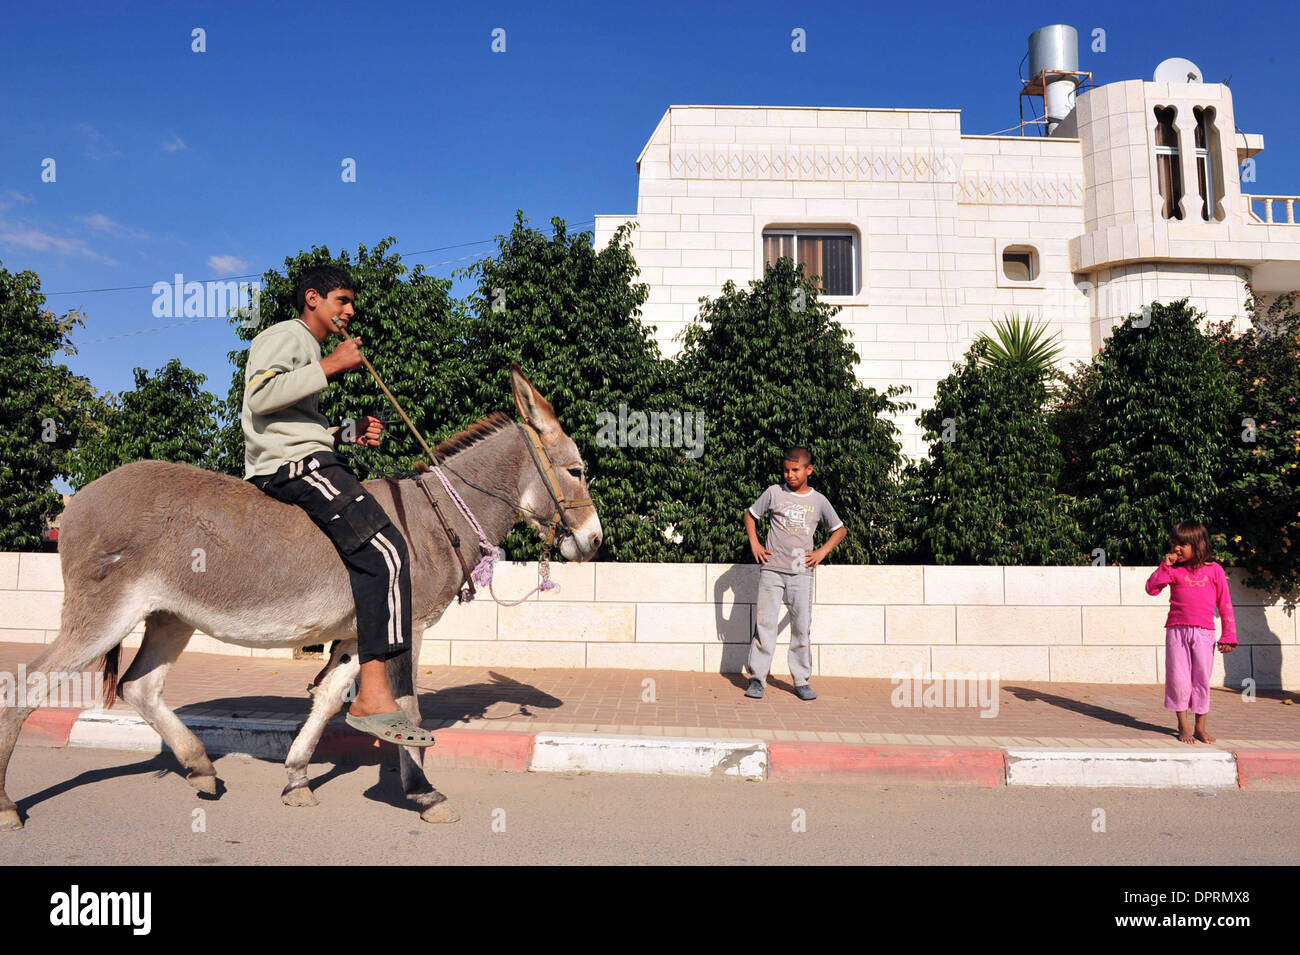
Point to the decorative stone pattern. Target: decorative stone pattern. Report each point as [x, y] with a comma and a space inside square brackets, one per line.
[812, 163]
[1021, 188]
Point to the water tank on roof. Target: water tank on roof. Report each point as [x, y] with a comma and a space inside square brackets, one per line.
[1055, 48]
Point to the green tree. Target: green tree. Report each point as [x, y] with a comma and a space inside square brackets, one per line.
[410, 332]
[1259, 510]
[771, 368]
[986, 494]
[44, 409]
[1155, 418]
[167, 417]
[569, 314]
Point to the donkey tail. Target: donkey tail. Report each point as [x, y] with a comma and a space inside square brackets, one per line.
[111, 659]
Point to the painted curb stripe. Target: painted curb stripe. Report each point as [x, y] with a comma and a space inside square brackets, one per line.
[666, 755]
[48, 726]
[1124, 768]
[1257, 770]
[1268, 769]
[952, 766]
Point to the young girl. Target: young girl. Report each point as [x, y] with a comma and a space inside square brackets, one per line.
[1197, 584]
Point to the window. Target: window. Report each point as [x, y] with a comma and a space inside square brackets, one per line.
[830, 255]
[1020, 263]
[1168, 170]
[1208, 175]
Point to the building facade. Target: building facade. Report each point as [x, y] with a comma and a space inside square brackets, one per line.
[924, 235]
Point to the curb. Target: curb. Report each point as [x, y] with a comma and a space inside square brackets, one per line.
[751, 759]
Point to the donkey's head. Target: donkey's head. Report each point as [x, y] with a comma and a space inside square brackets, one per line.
[553, 479]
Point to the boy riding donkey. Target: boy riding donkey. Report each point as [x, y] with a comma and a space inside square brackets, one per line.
[289, 454]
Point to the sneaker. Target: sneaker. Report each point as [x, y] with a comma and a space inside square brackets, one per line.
[755, 691]
[805, 692]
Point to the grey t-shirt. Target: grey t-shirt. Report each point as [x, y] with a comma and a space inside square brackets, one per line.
[794, 518]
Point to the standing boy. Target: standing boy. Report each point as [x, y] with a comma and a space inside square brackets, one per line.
[289, 454]
[788, 559]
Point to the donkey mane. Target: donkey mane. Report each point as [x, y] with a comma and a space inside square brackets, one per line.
[479, 431]
[475, 433]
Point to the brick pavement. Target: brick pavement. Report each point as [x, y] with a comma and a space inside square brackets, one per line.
[712, 705]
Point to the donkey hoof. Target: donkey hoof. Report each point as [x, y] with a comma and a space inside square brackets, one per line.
[203, 783]
[10, 821]
[442, 812]
[300, 796]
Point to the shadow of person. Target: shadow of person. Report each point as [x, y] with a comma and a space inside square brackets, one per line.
[1090, 710]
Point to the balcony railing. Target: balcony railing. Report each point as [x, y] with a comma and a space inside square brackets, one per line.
[1288, 202]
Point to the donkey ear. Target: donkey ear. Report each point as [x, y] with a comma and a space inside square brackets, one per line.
[533, 408]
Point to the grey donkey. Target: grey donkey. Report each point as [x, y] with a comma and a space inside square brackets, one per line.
[270, 578]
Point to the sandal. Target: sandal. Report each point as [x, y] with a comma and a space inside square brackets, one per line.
[391, 728]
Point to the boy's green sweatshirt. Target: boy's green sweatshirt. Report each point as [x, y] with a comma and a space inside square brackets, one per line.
[282, 385]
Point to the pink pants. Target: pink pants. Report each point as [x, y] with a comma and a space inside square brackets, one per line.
[1189, 661]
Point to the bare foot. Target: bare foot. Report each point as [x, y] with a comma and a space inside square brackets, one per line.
[1204, 736]
[1185, 736]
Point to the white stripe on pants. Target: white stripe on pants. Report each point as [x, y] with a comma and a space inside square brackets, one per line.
[796, 592]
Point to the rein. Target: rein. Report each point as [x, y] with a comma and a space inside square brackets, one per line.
[482, 572]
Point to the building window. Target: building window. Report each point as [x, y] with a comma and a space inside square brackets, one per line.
[1168, 170]
[830, 257]
[1209, 177]
[1020, 263]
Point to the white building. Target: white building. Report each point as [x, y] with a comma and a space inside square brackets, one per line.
[1129, 193]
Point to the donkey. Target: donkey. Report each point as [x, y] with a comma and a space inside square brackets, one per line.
[186, 549]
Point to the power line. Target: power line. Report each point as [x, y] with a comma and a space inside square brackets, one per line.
[254, 275]
[207, 318]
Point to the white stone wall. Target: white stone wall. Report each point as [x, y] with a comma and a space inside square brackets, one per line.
[1068, 624]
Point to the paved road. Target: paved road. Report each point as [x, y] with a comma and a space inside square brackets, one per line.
[96, 807]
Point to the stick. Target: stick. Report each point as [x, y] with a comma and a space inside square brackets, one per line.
[389, 395]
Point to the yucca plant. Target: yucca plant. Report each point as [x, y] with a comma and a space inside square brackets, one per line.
[1021, 344]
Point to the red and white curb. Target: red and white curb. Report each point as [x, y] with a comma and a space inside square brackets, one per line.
[987, 766]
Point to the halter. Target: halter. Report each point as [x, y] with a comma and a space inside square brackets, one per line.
[482, 572]
[542, 461]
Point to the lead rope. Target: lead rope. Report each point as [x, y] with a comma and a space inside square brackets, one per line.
[482, 573]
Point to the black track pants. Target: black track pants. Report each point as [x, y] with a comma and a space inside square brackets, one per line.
[372, 549]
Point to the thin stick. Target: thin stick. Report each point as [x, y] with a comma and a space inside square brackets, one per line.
[388, 394]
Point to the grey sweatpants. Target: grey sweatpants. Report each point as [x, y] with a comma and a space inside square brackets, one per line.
[796, 592]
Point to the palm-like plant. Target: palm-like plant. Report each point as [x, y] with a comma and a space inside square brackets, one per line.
[1021, 343]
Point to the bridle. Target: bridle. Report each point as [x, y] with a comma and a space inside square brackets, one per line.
[482, 572]
[542, 461]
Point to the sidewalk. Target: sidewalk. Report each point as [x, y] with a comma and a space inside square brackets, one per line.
[616, 720]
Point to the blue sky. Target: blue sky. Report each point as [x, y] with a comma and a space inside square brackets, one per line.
[224, 162]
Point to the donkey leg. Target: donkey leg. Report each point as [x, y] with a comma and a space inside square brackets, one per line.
[87, 634]
[331, 693]
[165, 636]
[402, 672]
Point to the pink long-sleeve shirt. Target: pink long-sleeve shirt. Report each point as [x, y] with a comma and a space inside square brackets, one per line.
[1193, 595]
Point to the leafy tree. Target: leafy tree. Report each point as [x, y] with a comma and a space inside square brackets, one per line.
[986, 494]
[167, 417]
[44, 409]
[569, 314]
[770, 368]
[409, 330]
[1259, 511]
[1155, 421]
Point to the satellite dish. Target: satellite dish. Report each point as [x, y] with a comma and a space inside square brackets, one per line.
[1177, 70]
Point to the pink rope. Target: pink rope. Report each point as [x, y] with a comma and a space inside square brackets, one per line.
[482, 572]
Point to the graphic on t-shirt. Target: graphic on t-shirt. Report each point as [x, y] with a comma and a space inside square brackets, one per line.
[794, 516]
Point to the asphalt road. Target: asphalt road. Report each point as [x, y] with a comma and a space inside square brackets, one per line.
[92, 807]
